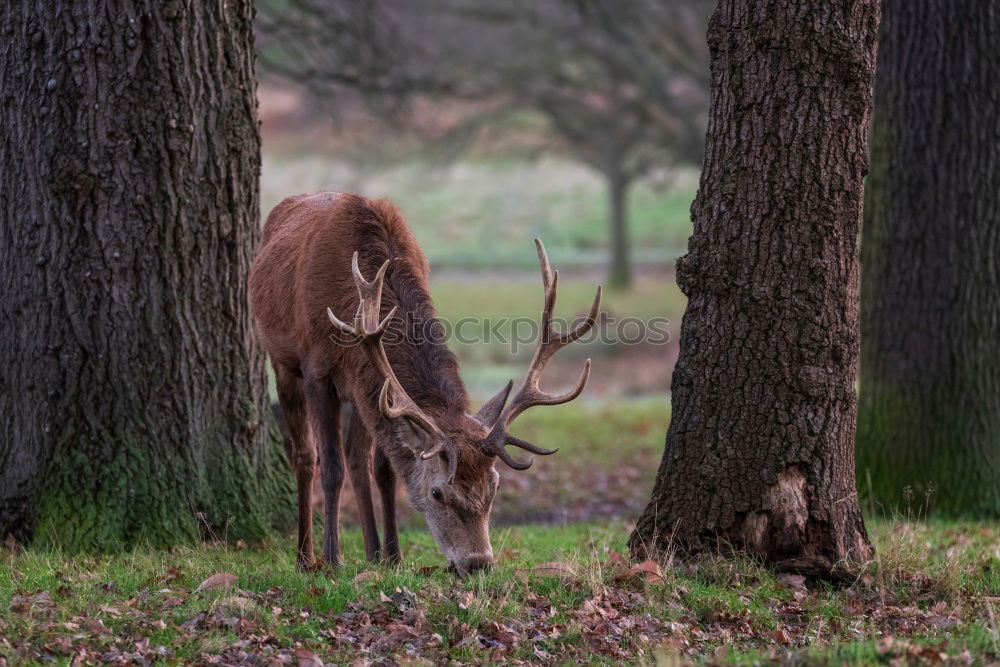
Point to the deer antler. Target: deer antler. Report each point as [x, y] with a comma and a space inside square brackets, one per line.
[369, 330]
[530, 394]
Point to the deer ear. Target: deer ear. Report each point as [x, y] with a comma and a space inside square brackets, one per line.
[490, 412]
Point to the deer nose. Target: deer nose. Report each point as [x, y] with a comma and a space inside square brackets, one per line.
[476, 562]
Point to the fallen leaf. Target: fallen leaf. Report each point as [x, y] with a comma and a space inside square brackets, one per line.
[95, 626]
[616, 558]
[362, 577]
[220, 580]
[307, 658]
[648, 570]
[159, 624]
[64, 645]
[781, 637]
[399, 632]
[40, 601]
[404, 598]
[465, 599]
[555, 569]
[794, 581]
[938, 621]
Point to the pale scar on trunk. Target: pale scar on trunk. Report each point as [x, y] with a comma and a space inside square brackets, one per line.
[788, 513]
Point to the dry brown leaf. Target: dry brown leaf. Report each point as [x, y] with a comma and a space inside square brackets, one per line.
[108, 609]
[648, 570]
[404, 598]
[220, 580]
[555, 569]
[465, 599]
[307, 658]
[95, 626]
[794, 581]
[40, 601]
[367, 575]
[159, 624]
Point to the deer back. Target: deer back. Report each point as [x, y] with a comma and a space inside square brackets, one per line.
[303, 268]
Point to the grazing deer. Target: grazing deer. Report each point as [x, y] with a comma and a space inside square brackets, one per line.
[411, 409]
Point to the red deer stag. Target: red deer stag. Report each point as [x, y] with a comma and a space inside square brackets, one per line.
[410, 405]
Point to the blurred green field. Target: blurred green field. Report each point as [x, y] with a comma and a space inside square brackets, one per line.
[484, 213]
[491, 316]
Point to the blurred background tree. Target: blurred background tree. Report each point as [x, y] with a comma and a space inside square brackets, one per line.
[620, 86]
[929, 415]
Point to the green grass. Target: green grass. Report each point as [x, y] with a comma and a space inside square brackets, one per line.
[145, 599]
[519, 295]
[599, 435]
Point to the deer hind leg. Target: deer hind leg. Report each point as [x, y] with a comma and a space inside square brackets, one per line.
[385, 477]
[302, 453]
[359, 462]
[324, 414]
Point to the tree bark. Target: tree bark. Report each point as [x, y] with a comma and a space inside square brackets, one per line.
[929, 416]
[759, 452]
[133, 397]
[620, 274]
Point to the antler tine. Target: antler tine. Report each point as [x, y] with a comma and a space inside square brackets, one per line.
[534, 449]
[543, 260]
[343, 326]
[370, 329]
[581, 329]
[512, 462]
[530, 394]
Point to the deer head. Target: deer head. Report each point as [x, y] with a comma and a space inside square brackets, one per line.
[451, 477]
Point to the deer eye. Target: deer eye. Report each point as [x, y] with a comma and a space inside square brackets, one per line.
[437, 495]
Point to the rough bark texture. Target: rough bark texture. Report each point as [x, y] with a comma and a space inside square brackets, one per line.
[930, 372]
[760, 448]
[133, 398]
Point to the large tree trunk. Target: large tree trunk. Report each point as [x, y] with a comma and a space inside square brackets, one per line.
[759, 452]
[133, 398]
[620, 274]
[930, 371]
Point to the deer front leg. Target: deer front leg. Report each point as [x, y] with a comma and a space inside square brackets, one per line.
[385, 477]
[324, 412]
[302, 455]
[358, 449]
